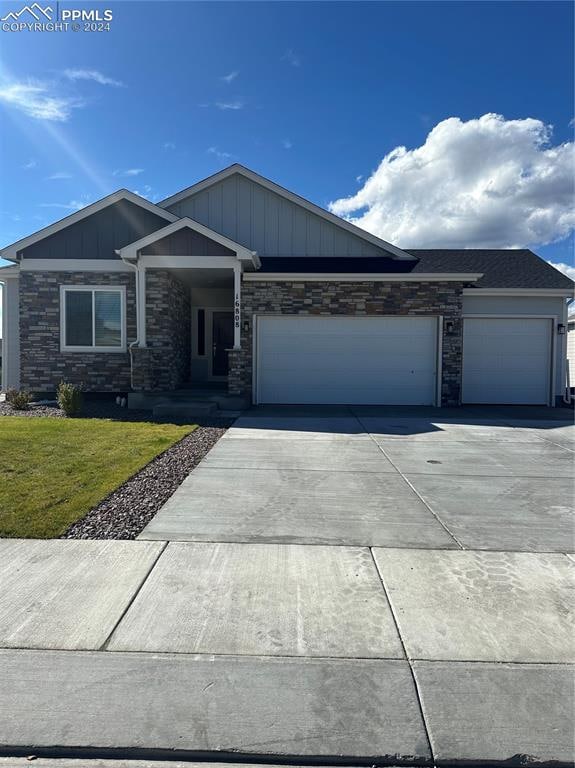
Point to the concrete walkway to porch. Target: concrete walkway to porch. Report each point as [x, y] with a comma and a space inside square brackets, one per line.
[327, 584]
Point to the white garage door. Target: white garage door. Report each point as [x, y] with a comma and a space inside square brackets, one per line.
[353, 360]
[506, 360]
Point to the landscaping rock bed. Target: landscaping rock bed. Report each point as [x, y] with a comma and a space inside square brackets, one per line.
[127, 510]
[91, 409]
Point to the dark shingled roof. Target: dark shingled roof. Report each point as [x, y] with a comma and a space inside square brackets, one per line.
[511, 268]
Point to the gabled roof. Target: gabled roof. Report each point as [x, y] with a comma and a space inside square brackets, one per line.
[504, 268]
[131, 251]
[10, 251]
[236, 168]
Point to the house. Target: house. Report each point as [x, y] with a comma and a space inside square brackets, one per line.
[237, 280]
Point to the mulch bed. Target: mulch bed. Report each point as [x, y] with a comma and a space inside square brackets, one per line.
[127, 510]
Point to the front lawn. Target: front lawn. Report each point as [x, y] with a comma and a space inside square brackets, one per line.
[53, 471]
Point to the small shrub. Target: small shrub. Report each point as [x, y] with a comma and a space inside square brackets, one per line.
[19, 399]
[70, 398]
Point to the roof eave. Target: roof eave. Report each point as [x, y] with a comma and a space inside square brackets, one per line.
[10, 252]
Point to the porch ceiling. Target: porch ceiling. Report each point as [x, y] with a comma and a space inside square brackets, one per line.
[205, 278]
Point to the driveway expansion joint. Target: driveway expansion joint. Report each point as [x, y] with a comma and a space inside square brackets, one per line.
[104, 645]
[393, 464]
[414, 679]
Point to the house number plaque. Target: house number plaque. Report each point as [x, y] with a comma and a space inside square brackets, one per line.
[237, 311]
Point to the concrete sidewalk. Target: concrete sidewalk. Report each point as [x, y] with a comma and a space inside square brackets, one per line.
[409, 619]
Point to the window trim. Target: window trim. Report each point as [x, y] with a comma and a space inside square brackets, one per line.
[121, 289]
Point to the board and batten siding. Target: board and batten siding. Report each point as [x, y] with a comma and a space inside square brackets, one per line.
[501, 306]
[97, 236]
[264, 221]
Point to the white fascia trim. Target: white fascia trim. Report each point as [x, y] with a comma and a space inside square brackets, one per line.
[10, 252]
[243, 254]
[9, 272]
[188, 262]
[73, 265]
[437, 277]
[293, 198]
[563, 292]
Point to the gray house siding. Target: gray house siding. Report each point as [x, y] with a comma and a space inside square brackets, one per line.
[186, 242]
[97, 236]
[263, 221]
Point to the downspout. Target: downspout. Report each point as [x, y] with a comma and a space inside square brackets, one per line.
[136, 341]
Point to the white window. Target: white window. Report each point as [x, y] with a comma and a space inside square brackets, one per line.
[92, 318]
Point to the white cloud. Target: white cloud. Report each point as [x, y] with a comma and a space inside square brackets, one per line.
[287, 144]
[168, 145]
[292, 58]
[30, 164]
[73, 205]
[230, 77]
[128, 172]
[59, 175]
[36, 100]
[221, 156]
[567, 269]
[93, 75]
[488, 182]
[230, 105]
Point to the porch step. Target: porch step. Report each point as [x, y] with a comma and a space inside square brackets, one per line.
[221, 400]
[184, 409]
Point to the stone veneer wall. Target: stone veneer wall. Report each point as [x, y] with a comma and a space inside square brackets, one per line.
[164, 364]
[347, 298]
[42, 365]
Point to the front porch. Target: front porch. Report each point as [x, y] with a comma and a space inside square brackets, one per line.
[188, 286]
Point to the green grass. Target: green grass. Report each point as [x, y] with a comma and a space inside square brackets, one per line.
[53, 471]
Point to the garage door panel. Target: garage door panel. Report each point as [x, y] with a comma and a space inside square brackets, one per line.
[506, 360]
[365, 360]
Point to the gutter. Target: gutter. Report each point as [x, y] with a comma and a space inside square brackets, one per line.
[384, 277]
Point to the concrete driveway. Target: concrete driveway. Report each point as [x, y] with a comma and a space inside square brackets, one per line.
[363, 585]
[435, 481]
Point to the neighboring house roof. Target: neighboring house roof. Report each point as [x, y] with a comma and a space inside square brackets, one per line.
[236, 168]
[509, 268]
[10, 252]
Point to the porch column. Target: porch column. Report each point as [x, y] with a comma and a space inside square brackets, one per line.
[10, 332]
[237, 305]
[141, 319]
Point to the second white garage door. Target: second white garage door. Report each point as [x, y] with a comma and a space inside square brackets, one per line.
[346, 360]
[506, 360]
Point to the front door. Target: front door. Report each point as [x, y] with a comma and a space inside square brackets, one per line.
[222, 340]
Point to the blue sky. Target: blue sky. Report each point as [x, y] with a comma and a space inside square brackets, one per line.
[314, 96]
